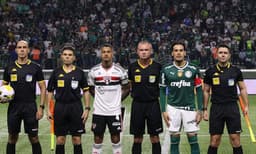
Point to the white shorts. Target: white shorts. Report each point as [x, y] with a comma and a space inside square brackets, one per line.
[181, 117]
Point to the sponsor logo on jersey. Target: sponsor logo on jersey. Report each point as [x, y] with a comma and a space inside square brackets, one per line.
[152, 78]
[181, 83]
[188, 74]
[29, 77]
[61, 75]
[231, 82]
[216, 74]
[14, 70]
[137, 70]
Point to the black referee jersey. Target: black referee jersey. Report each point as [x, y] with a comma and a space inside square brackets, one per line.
[145, 81]
[223, 81]
[23, 78]
[67, 85]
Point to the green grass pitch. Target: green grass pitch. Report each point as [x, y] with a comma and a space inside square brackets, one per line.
[24, 147]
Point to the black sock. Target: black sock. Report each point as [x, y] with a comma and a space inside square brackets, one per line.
[60, 149]
[212, 150]
[10, 149]
[136, 148]
[238, 150]
[36, 148]
[156, 148]
[77, 149]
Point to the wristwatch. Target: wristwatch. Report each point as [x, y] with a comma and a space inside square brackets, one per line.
[41, 106]
[87, 108]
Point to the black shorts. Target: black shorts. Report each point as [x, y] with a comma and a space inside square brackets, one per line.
[67, 119]
[146, 112]
[99, 123]
[22, 111]
[221, 114]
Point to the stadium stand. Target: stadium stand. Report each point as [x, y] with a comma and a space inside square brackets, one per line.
[201, 24]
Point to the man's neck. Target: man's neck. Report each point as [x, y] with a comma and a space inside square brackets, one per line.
[180, 63]
[22, 60]
[107, 64]
[145, 62]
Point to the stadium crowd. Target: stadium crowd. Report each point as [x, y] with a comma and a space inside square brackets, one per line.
[201, 24]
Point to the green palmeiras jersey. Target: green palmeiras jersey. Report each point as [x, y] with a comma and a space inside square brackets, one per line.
[177, 86]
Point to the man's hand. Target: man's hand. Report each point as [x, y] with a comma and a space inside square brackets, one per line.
[85, 115]
[39, 113]
[199, 116]
[167, 119]
[205, 115]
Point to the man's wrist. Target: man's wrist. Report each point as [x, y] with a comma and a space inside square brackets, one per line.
[204, 109]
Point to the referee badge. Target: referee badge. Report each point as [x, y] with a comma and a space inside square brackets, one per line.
[74, 84]
[231, 82]
[137, 78]
[29, 78]
[180, 73]
[13, 77]
[216, 81]
[60, 83]
[152, 78]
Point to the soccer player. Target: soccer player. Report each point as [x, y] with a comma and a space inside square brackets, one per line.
[109, 85]
[69, 117]
[23, 75]
[222, 80]
[177, 84]
[144, 77]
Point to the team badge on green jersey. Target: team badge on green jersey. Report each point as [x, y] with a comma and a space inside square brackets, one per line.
[188, 74]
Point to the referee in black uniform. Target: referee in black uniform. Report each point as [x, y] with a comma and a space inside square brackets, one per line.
[223, 79]
[144, 79]
[69, 117]
[23, 75]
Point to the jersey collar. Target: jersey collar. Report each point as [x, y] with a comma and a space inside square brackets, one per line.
[182, 66]
[66, 71]
[220, 69]
[19, 65]
[150, 62]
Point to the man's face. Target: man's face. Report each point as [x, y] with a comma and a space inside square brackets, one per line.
[106, 54]
[22, 49]
[144, 50]
[68, 57]
[178, 53]
[223, 55]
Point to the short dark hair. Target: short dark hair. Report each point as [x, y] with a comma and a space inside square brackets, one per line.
[107, 45]
[68, 46]
[223, 46]
[178, 43]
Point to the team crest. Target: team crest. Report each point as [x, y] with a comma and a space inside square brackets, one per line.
[231, 82]
[180, 73]
[152, 78]
[107, 79]
[74, 84]
[188, 74]
[29, 78]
